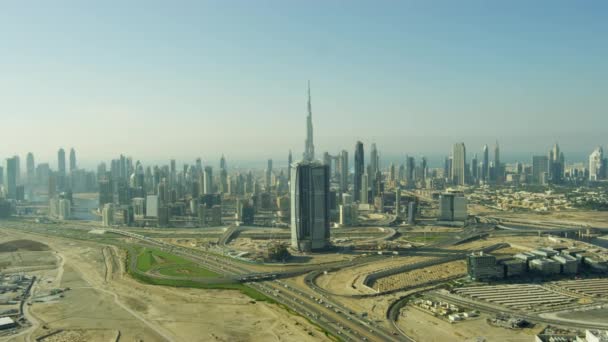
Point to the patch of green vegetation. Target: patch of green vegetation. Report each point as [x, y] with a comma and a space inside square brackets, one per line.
[146, 262]
[149, 258]
[188, 270]
[248, 291]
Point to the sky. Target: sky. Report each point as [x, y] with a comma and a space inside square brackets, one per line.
[182, 79]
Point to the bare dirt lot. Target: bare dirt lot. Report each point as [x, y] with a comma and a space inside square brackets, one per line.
[98, 302]
[424, 327]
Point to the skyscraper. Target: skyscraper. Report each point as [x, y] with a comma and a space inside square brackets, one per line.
[556, 165]
[208, 180]
[364, 195]
[289, 162]
[30, 168]
[595, 164]
[459, 160]
[17, 168]
[268, 175]
[359, 169]
[344, 171]
[310, 206]
[410, 166]
[309, 148]
[374, 159]
[61, 182]
[474, 169]
[72, 160]
[11, 177]
[540, 169]
[61, 161]
[223, 165]
[485, 166]
[424, 168]
[498, 169]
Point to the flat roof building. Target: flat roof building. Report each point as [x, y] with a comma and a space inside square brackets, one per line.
[545, 266]
[482, 266]
[569, 264]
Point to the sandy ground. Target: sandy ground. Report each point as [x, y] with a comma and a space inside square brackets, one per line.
[575, 217]
[349, 281]
[422, 276]
[111, 302]
[424, 327]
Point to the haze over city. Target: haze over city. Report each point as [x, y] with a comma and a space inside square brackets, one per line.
[163, 80]
[285, 171]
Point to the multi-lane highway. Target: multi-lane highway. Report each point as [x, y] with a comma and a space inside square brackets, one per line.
[315, 306]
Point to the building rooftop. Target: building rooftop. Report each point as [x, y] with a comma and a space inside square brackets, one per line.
[6, 321]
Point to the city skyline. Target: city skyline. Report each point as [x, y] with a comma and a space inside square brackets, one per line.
[534, 76]
[163, 177]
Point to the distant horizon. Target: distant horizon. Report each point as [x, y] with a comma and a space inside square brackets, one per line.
[435, 160]
[209, 77]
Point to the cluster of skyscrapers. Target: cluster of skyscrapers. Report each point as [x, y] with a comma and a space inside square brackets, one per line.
[307, 196]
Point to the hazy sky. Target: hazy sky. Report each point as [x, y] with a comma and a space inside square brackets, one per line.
[160, 79]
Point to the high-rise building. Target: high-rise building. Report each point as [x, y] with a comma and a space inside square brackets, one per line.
[223, 165]
[374, 159]
[30, 168]
[410, 166]
[343, 171]
[61, 161]
[596, 160]
[485, 166]
[540, 169]
[310, 206]
[107, 215]
[61, 179]
[556, 165]
[289, 162]
[364, 196]
[459, 160]
[72, 160]
[452, 207]
[498, 168]
[152, 204]
[223, 181]
[18, 168]
[268, 175]
[309, 148]
[106, 193]
[208, 180]
[11, 178]
[474, 169]
[424, 168]
[359, 169]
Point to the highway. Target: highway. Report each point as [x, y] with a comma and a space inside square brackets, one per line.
[315, 306]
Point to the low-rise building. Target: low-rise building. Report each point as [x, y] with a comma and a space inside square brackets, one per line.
[545, 266]
[514, 267]
[482, 266]
[7, 323]
[568, 263]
